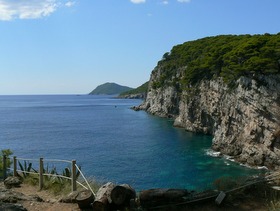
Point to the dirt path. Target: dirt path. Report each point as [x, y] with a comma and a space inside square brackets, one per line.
[50, 202]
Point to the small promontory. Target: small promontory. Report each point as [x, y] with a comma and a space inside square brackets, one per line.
[138, 93]
[227, 86]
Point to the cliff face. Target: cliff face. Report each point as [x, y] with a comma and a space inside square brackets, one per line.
[244, 119]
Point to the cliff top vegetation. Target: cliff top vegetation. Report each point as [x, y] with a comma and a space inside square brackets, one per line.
[141, 89]
[228, 56]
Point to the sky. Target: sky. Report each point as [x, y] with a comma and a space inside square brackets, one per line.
[72, 46]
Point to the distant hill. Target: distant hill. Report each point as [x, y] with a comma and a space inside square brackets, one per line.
[139, 92]
[109, 89]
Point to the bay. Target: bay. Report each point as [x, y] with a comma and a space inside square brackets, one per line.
[111, 142]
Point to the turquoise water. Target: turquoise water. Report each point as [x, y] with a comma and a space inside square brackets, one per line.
[110, 141]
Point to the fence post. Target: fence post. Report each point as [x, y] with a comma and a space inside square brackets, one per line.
[41, 171]
[15, 166]
[74, 185]
[4, 167]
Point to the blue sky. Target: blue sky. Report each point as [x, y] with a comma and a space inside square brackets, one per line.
[70, 47]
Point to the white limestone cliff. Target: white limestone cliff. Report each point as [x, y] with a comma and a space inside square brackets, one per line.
[244, 119]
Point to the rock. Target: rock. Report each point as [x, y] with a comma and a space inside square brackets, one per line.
[134, 96]
[10, 196]
[135, 108]
[11, 207]
[36, 198]
[83, 198]
[243, 120]
[71, 198]
[11, 182]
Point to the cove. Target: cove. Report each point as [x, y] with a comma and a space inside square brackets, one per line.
[111, 142]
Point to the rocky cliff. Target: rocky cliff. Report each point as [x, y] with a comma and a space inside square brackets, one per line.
[243, 118]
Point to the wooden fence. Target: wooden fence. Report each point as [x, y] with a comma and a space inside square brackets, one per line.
[41, 174]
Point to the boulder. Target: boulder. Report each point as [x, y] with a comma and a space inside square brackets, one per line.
[70, 198]
[11, 182]
[9, 196]
[11, 207]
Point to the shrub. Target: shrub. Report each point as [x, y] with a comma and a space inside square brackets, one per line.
[7, 153]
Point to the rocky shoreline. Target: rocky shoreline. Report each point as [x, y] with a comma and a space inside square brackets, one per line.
[243, 120]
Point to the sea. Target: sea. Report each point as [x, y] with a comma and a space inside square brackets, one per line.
[112, 142]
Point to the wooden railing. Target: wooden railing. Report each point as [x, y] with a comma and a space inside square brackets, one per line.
[41, 173]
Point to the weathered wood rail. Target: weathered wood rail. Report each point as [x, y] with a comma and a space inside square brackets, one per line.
[114, 197]
[41, 174]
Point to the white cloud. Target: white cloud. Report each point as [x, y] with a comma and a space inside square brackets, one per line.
[165, 2]
[69, 3]
[29, 9]
[138, 1]
[184, 1]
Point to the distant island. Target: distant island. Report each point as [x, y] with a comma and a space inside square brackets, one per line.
[110, 89]
[122, 91]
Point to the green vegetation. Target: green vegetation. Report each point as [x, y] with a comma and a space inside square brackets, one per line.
[240, 190]
[52, 181]
[7, 153]
[139, 90]
[228, 56]
[109, 89]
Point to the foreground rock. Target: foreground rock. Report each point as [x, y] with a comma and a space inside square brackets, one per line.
[11, 182]
[11, 207]
[11, 200]
[11, 196]
[27, 197]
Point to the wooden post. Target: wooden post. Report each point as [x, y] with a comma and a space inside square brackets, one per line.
[41, 171]
[74, 184]
[15, 166]
[220, 198]
[4, 167]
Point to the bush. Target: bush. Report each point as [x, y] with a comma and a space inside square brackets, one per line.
[7, 153]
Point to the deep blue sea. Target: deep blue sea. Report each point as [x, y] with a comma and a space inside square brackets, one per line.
[110, 141]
